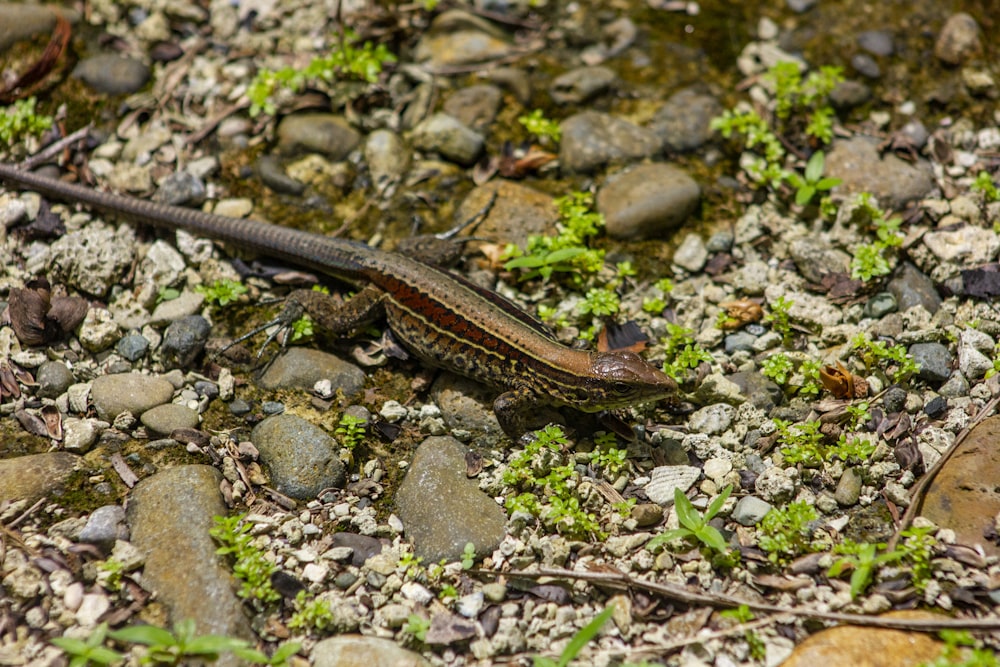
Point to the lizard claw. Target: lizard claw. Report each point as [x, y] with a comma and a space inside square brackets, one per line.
[282, 323]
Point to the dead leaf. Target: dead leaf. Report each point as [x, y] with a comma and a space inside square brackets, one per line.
[53, 421]
[741, 312]
[473, 463]
[23, 85]
[982, 282]
[31, 423]
[447, 628]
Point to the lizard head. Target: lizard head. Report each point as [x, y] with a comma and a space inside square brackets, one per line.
[624, 378]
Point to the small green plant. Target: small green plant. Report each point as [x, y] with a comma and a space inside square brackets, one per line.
[893, 359]
[779, 317]
[417, 627]
[314, 614]
[21, 120]
[167, 294]
[984, 183]
[812, 182]
[412, 564]
[89, 651]
[600, 302]
[110, 574]
[796, 97]
[851, 450]
[172, 648]
[250, 565]
[468, 556]
[681, 351]
[802, 443]
[811, 383]
[352, 430]
[694, 526]
[778, 367]
[786, 532]
[917, 551]
[658, 303]
[766, 167]
[344, 62]
[567, 252]
[870, 259]
[540, 126]
[582, 637]
[547, 484]
[607, 456]
[741, 615]
[863, 560]
[962, 650]
[222, 292]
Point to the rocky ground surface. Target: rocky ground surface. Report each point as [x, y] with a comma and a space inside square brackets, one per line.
[859, 404]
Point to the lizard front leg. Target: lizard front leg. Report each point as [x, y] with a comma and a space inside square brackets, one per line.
[332, 315]
[512, 408]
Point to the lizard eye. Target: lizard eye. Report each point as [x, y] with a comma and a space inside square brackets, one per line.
[621, 387]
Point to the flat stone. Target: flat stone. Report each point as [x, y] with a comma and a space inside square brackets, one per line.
[892, 180]
[166, 418]
[683, 122]
[442, 509]
[517, 211]
[301, 368]
[648, 201]
[36, 475]
[450, 137]
[964, 495]
[170, 514]
[361, 651]
[112, 74]
[22, 21]
[128, 392]
[664, 479]
[592, 139]
[328, 134]
[871, 647]
[301, 458]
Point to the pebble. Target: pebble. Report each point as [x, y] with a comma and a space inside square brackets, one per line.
[592, 139]
[387, 156]
[165, 419]
[776, 485]
[128, 392]
[181, 188]
[36, 476]
[935, 361]
[448, 136]
[362, 651]
[169, 515]
[880, 305]
[848, 488]
[683, 122]
[663, 480]
[749, 510]
[301, 368]
[966, 246]
[974, 353]
[184, 340]
[53, 378]
[188, 304]
[22, 21]
[458, 38]
[894, 399]
[582, 84]
[648, 201]
[691, 255]
[866, 66]
[876, 42]
[741, 341]
[517, 211]
[475, 106]
[815, 258]
[112, 74]
[467, 405]
[328, 134]
[98, 331]
[892, 180]
[959, 39]
[849, 94]
[301, 458]
[132, 347]
[912, 288]
[647, 514]
[104, 526]
[442, 510]
[362, 547]
[79, 435]
[93, 258]
[272, 174]
[936, 407]
[712, 419]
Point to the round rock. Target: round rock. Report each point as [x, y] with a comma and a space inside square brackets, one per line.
[105, 525]
[36, 475]
[893, 181]
[648, 201]
[112, 74]
[165, 419]
[683, 122]
[581, 84]
[475, 106]
[300, 457]
[301, 368]
[184, 340]
[592, 139]
[441, 509]
[959, 39]
[53, 378]
[328, 134]
[448, 136]
[128, 392]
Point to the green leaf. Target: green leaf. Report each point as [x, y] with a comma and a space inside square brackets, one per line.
[711, 537]
[150, 635]
[668, 536]
[717, 504]
[526, 262]
[814, 168]
[285, 651]
[805, 194]
[213, 644]
[686, 513]
[564, 254]
[70, 644]
[828, 183]
[583, 637]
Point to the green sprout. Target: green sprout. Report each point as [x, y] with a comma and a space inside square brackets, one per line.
[222, 292]
[89, 651]
[250, 565]
[812, 182]
[352, 430]
[582, 637]
[694, 525]
[786, 533]
[540, 126]
[21, 120]
[778, 367]
[984, 183]
[172, 648]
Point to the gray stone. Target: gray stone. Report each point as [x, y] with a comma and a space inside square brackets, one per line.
[848, 488]
[683, 122]
[184, 340]
[876, 42]
[849, 94]
[181, 188]
[20, 21]
[93, 258]
[959, 39]
[272, 173]
[104, 526]
[324, 133]
[592, 139]
[935, 361]
[461, 45]
[53, 378]
[866, 66]
[749, 510]
[387, 156]
[741, 341]
[301, 368]
[300, 457]
[892, 180]
[448, 136]
[170, 514]
[128, 392]
[36, 475]
[581, 84]
[966, 246]
[648, 201]
[912, 288]
[691, 255]
[165, 419]
[361, 651]
[442, 510]
[712, 419]
[880, 305]
[112, 74]
[815, 258]
[475, 106]
[132, 347]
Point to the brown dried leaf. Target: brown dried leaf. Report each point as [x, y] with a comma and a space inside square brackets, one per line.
[53, 421]
[837, 380]
[31, 423]
[26, 309]
[67, 312]
[473, 463]
[741, 312]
